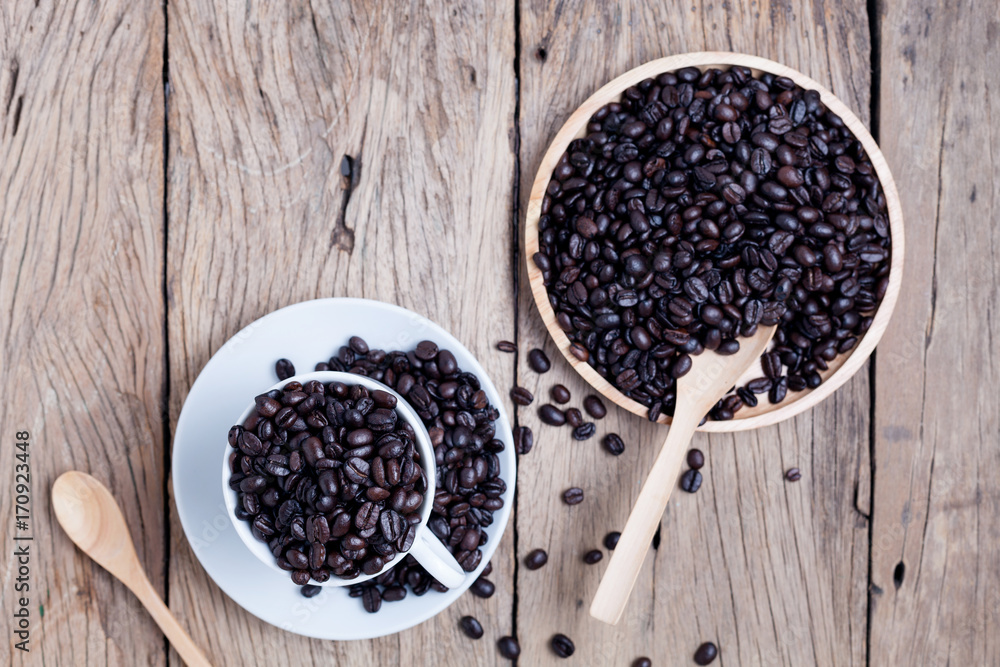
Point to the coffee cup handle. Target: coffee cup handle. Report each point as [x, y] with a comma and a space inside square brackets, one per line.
[437, 560]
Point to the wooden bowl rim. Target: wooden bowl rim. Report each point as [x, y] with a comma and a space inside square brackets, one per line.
[849, 362]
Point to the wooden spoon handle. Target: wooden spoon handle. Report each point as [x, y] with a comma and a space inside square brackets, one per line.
[627, 558]
[177, 636]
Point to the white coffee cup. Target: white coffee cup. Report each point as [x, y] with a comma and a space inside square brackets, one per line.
[427, 549]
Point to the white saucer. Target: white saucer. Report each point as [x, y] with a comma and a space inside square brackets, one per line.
[305, 333]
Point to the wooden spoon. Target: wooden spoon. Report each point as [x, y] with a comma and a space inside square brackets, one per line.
[90, 516]
[710, 378]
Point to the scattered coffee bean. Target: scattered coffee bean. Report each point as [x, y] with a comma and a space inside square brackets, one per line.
[471, 627]
[524, 440]
[614, 444]
[371, 599]
[691, 481]
[700, 206]
[793, 475]
[695, 458]
[284, 369]
[595, 407]
[536, 559]
[562, 646]
[551, 415]
[706, 654]
[509, 648]
[538, 361]
[642, 662]
[593, 556]
[506, 346]
[584, 431]
[560, 394]
[482, 588]
[521, 396]
[574, 417]
[573, 495]
[611, 540]
[310, 590]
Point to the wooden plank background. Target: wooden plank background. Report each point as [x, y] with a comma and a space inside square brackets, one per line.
[142, 223]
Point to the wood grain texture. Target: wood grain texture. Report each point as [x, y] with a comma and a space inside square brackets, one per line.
[774, 573]
[267, 99]
[81, 270]
[936, 510]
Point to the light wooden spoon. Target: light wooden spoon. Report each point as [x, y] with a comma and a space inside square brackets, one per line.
[710, 377]
[90, 516]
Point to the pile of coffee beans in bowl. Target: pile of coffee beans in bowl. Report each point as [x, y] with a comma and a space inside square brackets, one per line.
[329, 477]
[700, 206]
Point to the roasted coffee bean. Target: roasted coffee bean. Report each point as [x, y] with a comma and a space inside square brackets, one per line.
[471, 627]
[509, 648]
[310, 591]
[524, 439]
[642, 662]
[595, 407]
[482, 588]
[706, 654]
[793, 475]
[573, 495]
[560, 394]
[584, 431]
[536, 559]
[551, 415]
[521, 396]
[611, 540]
[562, 646]
[538, 361]
[593, 556]
[284, 369]
[614, 444]
[371, 599]
[691, 481]
[695, 459]
[574, 417]
[506, 346]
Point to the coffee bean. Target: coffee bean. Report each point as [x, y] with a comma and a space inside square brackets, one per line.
[506, 346]
[706, 654]
[695, 458]
[310, 590]
[579, 351]
[793, 475]
[642, 662]
[691, 481]
[536, 559]
[573, 495]
[426, 350]
[560, 394]
[524, 440]
[614, 444]
[521, 396]
[538, 361]
[551, 415]
[482, 588]
[562, 646]
[584, 431]
[574, 417]
[509, 648]
[371, 599]
[611, 540]
[471, 627]
[284, 369]
[594, 407]
[593, 556]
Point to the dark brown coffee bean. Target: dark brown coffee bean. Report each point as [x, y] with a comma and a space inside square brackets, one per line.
[562, 646]
[611, 540]
[584, 431]
[471, 627]
[706, 654]
[482, 588]
[642, 662]
[551, 415]
[536, 559]
[560, 394]
[579, 351]
[524, 440]
[426, 350]
[506, 346]
[371, 599]
[614, 444]
[509, 648]
[521, 396]
[574, 417]
[284, 369]
[573, 495]
[538, 361]
[310, 591]
[593, 556]
[695, 459]
[691, 481]
[595, 407]
[793, 475]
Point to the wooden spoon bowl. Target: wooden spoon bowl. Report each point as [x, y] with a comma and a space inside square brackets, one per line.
[844, 365]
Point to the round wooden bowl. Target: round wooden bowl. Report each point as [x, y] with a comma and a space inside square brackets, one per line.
[841, 368]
